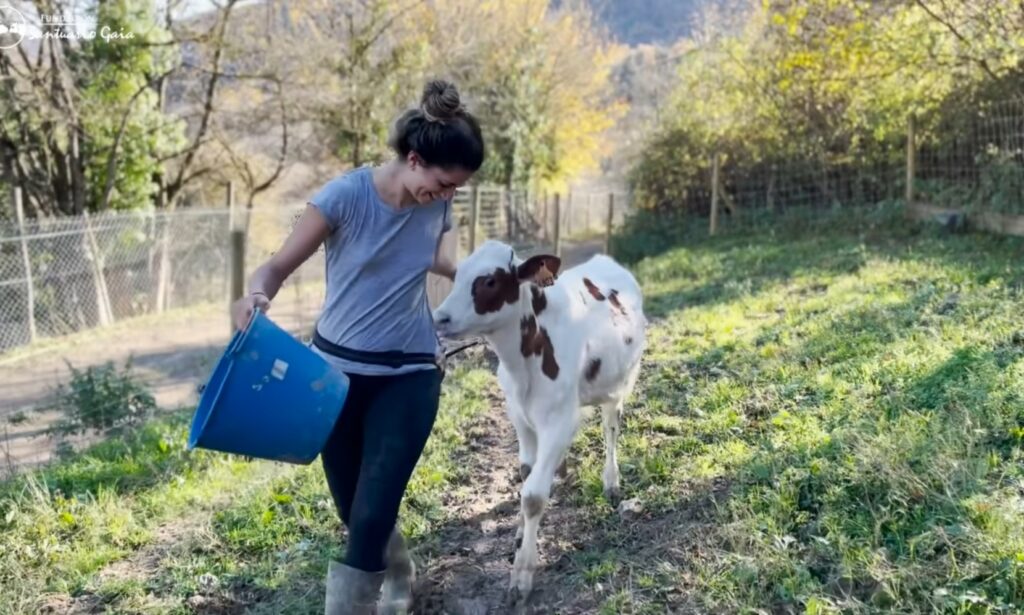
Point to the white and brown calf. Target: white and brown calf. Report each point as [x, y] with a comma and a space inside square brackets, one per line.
[563, 341]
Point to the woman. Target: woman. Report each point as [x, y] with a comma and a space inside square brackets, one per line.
[383, 228]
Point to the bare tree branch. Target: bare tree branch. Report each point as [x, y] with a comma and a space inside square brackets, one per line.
[982, 62]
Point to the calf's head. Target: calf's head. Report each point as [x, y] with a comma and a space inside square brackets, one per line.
[487, 290]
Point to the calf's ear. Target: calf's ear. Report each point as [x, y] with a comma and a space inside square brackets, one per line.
[541, 269]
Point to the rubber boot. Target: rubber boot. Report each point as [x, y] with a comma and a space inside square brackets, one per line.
[396, 597]
[351, 591]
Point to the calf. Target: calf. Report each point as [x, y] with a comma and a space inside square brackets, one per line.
[563, 342]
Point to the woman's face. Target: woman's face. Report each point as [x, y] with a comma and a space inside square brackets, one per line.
[428, 184]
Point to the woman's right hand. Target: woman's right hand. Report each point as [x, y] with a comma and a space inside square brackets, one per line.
[241, 310]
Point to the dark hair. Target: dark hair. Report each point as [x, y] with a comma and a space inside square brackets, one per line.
[441, 131]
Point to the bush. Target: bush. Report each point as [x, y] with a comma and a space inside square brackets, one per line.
[102, 399]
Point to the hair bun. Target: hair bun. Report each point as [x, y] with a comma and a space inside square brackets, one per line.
[440, 101]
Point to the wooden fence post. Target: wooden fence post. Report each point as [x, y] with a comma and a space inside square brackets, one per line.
[608, 228]
[911, 159]
[558, 224]
[586, 213]
[162, 300]
[545, 220]
[504, 205]
[237, 269]
[568, 213]
[104, 310]
[231, 205]
[474, 214]
[30, 299]
[231, 229]
[714, 194]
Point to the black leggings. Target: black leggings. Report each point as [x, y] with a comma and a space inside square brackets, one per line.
[371, 453]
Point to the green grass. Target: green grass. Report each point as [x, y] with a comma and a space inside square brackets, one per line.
[60, 526]
[830, 419]
[860, 389]
[265, 530]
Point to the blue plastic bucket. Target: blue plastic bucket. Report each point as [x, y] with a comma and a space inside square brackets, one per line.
[270, 397]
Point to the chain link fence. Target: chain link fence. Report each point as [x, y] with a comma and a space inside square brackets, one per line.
[67, 275]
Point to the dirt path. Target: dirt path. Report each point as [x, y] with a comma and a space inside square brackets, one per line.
[465, 567]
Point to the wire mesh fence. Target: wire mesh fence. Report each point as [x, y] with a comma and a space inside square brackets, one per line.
[973, 162]
[66, 275]
[62, 276]
[742, 197]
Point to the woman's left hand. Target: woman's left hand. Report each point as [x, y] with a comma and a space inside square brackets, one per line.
[440, 356]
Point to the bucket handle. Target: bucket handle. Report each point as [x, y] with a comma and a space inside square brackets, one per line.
[240, 336]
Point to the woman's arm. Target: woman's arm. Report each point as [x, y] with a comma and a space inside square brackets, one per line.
[443, 265]
[310, 231]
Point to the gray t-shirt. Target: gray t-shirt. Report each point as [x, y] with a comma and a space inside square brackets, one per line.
[377, 262]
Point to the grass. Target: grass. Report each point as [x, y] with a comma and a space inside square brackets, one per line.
[830, 419]
[860, 389]
[272, 526]
[60, 526]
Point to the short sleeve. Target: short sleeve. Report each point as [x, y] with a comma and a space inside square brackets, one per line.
[335, 201]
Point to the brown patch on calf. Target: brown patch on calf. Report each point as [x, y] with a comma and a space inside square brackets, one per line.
[541, 269]
[491, 292]
[533, 506]
[613, 298]
[592, 288]
[539, 300]
[592, 368]
[536, 342]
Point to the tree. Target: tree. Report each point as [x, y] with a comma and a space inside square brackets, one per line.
[540, 79]
[353, 66]
[79, 108]
[821, 86]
